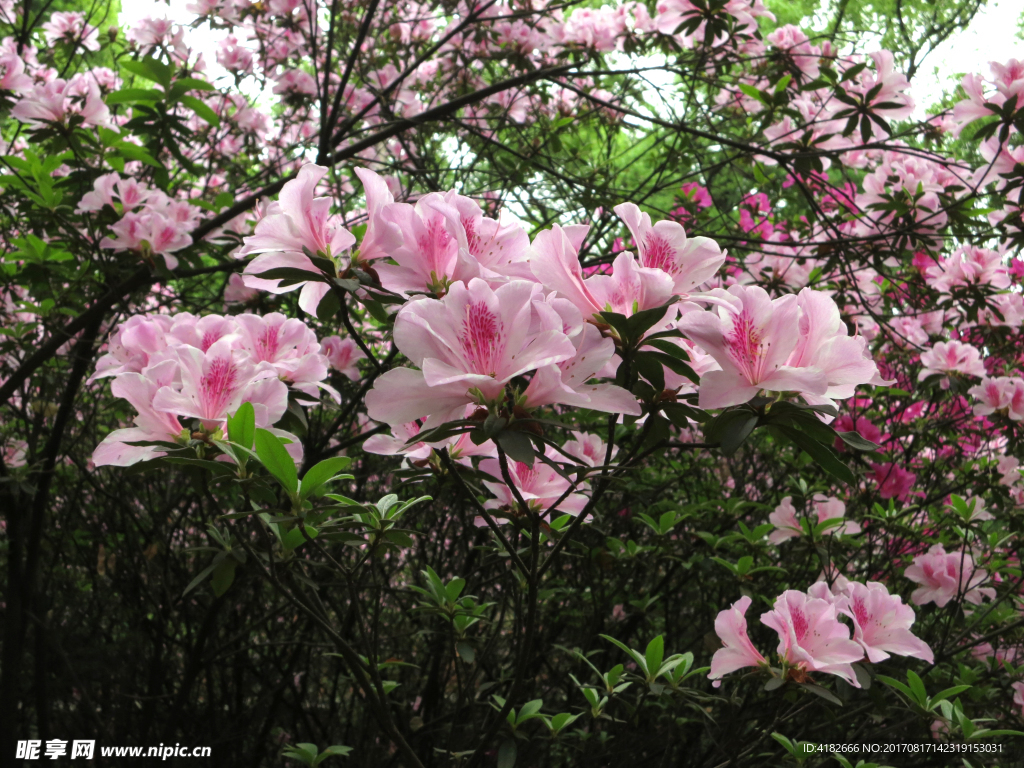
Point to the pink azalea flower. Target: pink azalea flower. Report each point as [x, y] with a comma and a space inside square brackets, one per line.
[343, 355]
[1018, 696]
[149, 233]
[1008, 80]
[588, 448]
[151, 424]
[540, 486]
[690, 261]
[566, 382]
[628, 289]
[427, 259]
[737, 651]
[295, 223]
[475, 338]
[70, 27]
[288, 345]
[831, 508]
[382, 236]
[948, 357]
[798, 49]
[13, 454]
[787, 526]
[461, 448]
[497, 250]
[881, 623]
[784, 518]
[824, 345]
[811, 637]
[944, 575]
[1002, 393]
[237, 292]
[12, 73]
[215, 383]
[132, 344]
[751, 337]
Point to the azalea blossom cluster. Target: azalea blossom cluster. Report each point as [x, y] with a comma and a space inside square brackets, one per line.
[509, 307]
[485, 308]
[787, 525]
[180, 370]
[151, 224]
[812, 638]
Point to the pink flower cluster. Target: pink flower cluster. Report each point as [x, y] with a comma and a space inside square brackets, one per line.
[787, 526]
[200, 370]
[151, 224]
[1000, 394]
[794, 343]
[951, 357]
[811, 636]
[944, 576]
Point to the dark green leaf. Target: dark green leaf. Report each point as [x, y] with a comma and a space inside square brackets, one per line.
[275, 458]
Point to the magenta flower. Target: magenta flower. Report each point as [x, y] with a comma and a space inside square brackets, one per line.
[689, 261]
[468, 346]
[894, 482]
[811, 637]
[944, 575]
[737, 651]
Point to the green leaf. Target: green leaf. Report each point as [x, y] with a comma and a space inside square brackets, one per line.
[199, 579]
[654, 654]
[855, 441]
[223, 575]
[304, 752]
[275, 458]
[201, 108]
[507, 754]
[242, 426]
[295, 538]
[517, 445]
[823, 455]
[186, 84]
[150, 69]
[824, 693]
[132, 95]
[529, 711]
[640, 660]
[917, 686]
[134, 152]
[322, 473]
[730, 429]
[328, 307]
[466, 652]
